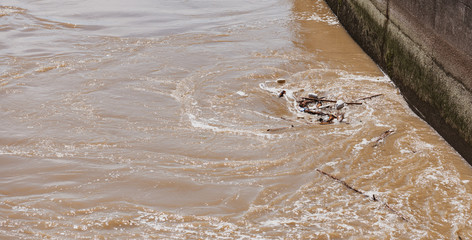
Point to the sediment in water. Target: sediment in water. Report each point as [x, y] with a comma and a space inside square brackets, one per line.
[423, 47]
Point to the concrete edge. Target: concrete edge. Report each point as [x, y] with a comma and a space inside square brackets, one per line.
[435, 94]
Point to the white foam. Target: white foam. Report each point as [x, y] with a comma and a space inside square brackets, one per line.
[271, 223]
[289, 95]
[329, 19]
[241, 93]
[356, 77]
[207, 125]
[6, 10]
[358, 147]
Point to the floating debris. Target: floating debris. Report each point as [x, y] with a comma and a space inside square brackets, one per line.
[339, 104]
[313, 112]
[308, 100]
[281, 80]
[278, 129]
[375, 199]
[382, 137]
[365, 98]
[329, 120]
[341, 117]
[281, 94]
[329, 111]
[241, 93]
[313, 95]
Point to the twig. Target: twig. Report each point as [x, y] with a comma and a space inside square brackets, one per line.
[353, 103]
[317, 99]
[312, 100]
[363, 194]
[278, 129]
[341, 181]
[382, 137]
[286, 119]
[365, 98]
[313, 112]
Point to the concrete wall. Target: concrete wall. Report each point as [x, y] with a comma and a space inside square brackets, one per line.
[425, 46]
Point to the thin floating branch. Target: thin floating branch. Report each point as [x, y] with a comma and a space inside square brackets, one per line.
[286, 119]
[365, 98]
[341, 181]
[278, 129]
[382, 137]
[313, 100]
[313, 112]
[375, 199]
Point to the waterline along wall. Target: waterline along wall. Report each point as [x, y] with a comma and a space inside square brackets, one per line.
[426, 48]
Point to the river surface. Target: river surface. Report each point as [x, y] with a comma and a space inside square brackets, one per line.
[161, 119]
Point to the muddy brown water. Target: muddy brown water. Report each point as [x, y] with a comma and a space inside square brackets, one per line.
[148, 119]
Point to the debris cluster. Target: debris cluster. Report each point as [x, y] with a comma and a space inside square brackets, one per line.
[315, 105]
[326, 109]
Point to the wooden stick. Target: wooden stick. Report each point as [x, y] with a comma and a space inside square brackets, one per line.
[316, 112]
[363, 194]
[353, 103]
[278, 129]
[286, 119]
[382, 137]
[312, 100]
[317, 99]
[339, 180]
[365, 98]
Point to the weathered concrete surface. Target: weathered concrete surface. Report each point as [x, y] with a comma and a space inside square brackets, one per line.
[426, 48]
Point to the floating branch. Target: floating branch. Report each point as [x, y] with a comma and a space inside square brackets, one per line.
[308, 100]
[286, 119]
[382, 137]
[313, 100]
[363, 194]
[365, 98]
[313, 112]
[323, 121]
[341, 181]
[278, 129]
[317, 99]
